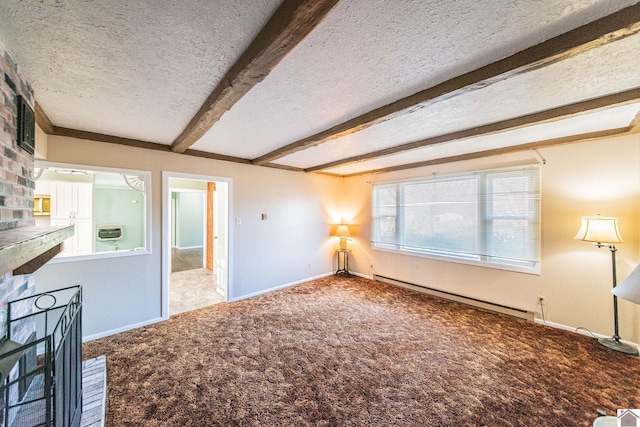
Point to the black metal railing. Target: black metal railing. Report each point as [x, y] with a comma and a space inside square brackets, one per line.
[42, 374]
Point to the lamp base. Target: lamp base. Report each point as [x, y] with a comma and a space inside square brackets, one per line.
[343, 243]
[616, 345]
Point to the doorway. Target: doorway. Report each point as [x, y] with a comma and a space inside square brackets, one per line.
[195, 241]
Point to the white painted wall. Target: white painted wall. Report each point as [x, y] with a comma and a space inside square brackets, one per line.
[122, 292]
[579, 179]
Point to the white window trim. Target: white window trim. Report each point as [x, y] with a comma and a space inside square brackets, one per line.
[475, 260]
[535, 270]
[148, 207]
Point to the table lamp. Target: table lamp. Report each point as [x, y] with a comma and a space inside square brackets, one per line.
[629, 289]
[342, 231]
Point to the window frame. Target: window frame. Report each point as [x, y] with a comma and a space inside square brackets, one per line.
[484, 216]
[147, 213]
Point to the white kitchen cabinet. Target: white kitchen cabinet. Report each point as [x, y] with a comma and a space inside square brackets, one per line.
[42, 188]
[72, 204]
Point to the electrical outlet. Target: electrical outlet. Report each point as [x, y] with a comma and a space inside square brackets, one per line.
[309, 265]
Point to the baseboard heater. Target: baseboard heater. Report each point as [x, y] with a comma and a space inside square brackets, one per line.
[473, 302]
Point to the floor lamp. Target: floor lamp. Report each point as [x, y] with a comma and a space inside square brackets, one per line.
[603, 232]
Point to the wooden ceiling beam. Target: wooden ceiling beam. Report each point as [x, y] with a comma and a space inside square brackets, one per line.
[546, 116]
[129, 142]
[605, 30]
[288, 26]
[634, 126]
[499, 151]
[111, 139]
[43, 120]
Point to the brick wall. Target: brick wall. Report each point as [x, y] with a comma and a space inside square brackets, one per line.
[12, 288]
[16, 165]
[16, 179]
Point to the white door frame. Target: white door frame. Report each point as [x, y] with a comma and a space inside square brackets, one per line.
[166, 232]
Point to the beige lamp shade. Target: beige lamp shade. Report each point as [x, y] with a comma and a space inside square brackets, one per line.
[343, 231]
[629, 289]
[599, 229]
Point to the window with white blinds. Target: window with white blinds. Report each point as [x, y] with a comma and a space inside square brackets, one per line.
[490, 217]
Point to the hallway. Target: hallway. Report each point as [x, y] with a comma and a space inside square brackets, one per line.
[191, 285]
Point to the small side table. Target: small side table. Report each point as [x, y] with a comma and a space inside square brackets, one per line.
[345, 262]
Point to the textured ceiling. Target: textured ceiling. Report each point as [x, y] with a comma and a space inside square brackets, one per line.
[137, 69]
[586, 76]
[142, 70]
[585, 123]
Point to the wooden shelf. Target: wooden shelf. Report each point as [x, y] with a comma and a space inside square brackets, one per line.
[23, 250]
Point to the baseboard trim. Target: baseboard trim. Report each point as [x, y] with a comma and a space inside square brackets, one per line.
[186, 248]
[275, 288]
[122, 329]
[473, 302]
[581, 331]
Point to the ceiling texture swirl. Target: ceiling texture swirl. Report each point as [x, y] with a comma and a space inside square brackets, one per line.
[344, 87]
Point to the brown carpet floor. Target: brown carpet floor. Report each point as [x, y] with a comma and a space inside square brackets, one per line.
[348, 352]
